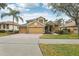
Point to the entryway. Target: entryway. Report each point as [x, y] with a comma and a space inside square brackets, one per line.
[48, 29]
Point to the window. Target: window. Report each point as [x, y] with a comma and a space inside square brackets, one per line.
[7, 26]
[41, 20]
[75, 29]
[3, 26]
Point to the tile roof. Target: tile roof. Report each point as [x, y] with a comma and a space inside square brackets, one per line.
[9, 22]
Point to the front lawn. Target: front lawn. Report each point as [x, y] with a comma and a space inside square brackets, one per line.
[3, 34]
[63, 36]
[60, 49]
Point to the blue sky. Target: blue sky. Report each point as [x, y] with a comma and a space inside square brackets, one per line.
[32, 10]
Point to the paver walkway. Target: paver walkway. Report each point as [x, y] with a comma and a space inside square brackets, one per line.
[20, 45]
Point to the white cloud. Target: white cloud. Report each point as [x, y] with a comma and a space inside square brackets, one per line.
[32, 4]
[46, 15]
[29, 16]
[45, 5]
[26, 5]
[27, 9]
[2, 10]
[12, 6]
[22, 6]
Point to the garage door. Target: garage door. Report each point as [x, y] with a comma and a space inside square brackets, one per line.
[36, 30]
[23, 30]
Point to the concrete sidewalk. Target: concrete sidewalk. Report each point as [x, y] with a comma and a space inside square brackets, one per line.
[59, 41]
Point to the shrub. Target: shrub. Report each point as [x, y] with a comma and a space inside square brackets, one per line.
[11, 32]
[64, 31]
[2, 31]
[16, 32]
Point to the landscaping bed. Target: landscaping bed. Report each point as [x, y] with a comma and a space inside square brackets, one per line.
[60, 49]
[60, 36]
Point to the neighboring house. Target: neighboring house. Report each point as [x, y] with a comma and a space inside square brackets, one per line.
[71, 26]
[8, 26]
[38, 25]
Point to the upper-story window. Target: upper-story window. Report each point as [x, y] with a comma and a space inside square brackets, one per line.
[41, 20]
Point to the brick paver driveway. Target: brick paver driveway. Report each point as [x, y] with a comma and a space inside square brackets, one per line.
[20, 44]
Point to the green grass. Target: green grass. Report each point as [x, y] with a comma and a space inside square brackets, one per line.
[60, 49]
[3, 34]
[63, 36]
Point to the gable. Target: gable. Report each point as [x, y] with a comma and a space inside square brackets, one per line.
[35, 24]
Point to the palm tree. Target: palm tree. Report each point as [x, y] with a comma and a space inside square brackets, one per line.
[14, 14]
[3, 5]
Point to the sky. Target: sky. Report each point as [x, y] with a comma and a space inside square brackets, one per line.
[32, 10]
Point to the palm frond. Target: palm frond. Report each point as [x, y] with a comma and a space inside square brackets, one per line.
[17, 12]
[13, 11]
[5, 14]
[9, 8]
[3, 5]
[21, 18]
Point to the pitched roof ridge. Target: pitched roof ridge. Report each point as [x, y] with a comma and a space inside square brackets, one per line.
[9, 22]
[35, 21]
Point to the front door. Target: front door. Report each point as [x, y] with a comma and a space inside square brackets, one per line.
[48, 29]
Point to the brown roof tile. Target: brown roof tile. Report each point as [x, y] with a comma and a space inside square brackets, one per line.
[9, 22]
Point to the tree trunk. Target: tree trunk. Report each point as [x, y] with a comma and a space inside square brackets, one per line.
[77, 24]
[78, 30]
[63, 25]
[13, 25]
[18, 24]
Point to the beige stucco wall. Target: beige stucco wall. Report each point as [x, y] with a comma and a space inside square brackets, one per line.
[73, 29]
[35, 24]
